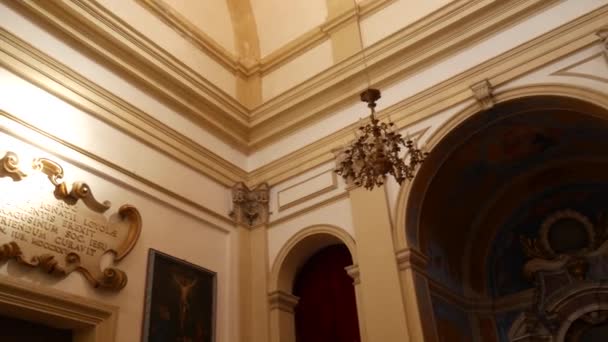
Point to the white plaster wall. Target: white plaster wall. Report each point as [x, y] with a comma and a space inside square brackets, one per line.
[297, 70]
[211, 17]
[280, 22]
[65, 122]
[164, 228]
[67, 55]
[487, 49]
[396, 16]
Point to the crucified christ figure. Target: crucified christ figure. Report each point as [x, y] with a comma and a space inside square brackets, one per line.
[185, 286]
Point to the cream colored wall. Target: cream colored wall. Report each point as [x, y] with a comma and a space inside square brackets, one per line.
[172, 42]
[448, 68]
[104, 77]
[164, 228]
[211, 17]
[296, 71]
[279, 22]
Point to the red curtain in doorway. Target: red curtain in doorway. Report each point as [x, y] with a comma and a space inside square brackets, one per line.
[327, 310]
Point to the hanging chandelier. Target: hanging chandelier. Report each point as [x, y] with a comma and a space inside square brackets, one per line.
[376, 151]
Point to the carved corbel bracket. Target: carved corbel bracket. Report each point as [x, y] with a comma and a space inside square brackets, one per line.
[250, 206]
[483, 93]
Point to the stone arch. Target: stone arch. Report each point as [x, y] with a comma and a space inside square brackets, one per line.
[300, 247]
[406, 201]
[292, 256]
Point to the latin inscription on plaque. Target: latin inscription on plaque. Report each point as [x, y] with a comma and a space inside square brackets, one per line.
[48, 225]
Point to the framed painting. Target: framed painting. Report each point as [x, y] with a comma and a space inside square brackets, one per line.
[180, 301]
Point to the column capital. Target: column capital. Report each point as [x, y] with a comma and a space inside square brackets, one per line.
[353, 272]
[250, 206]
[283, 301]
[410, 258]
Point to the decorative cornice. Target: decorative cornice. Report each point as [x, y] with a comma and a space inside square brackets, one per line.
[499, 70]
[282, 301]
[396, 57]
[406, 52]
[135, 57]
[250, 207]
[273, 60]
[54, 77]
[483, 93]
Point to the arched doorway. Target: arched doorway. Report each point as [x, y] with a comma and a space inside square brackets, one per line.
[503, 197]
[292, 259]
[327, 308]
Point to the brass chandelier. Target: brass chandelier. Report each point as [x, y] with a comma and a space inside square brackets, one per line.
[376, 151]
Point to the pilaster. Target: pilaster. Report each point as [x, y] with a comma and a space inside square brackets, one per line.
[416, 299]
[250, 214]
[345, 40]
[282, 321]
[381, 296]
[353, 272]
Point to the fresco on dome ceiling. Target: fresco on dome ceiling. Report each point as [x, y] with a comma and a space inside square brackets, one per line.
[507, 257]
[453, 324]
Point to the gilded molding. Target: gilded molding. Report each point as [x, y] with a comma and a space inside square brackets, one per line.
[483, 93]
[80, 254]
[250, 207]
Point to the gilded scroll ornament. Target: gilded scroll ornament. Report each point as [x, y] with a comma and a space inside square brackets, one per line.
[60, 228]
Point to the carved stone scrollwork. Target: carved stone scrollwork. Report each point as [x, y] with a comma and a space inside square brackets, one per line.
[10, 167]
[250, 207]
[483, 93]
[48, 227]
